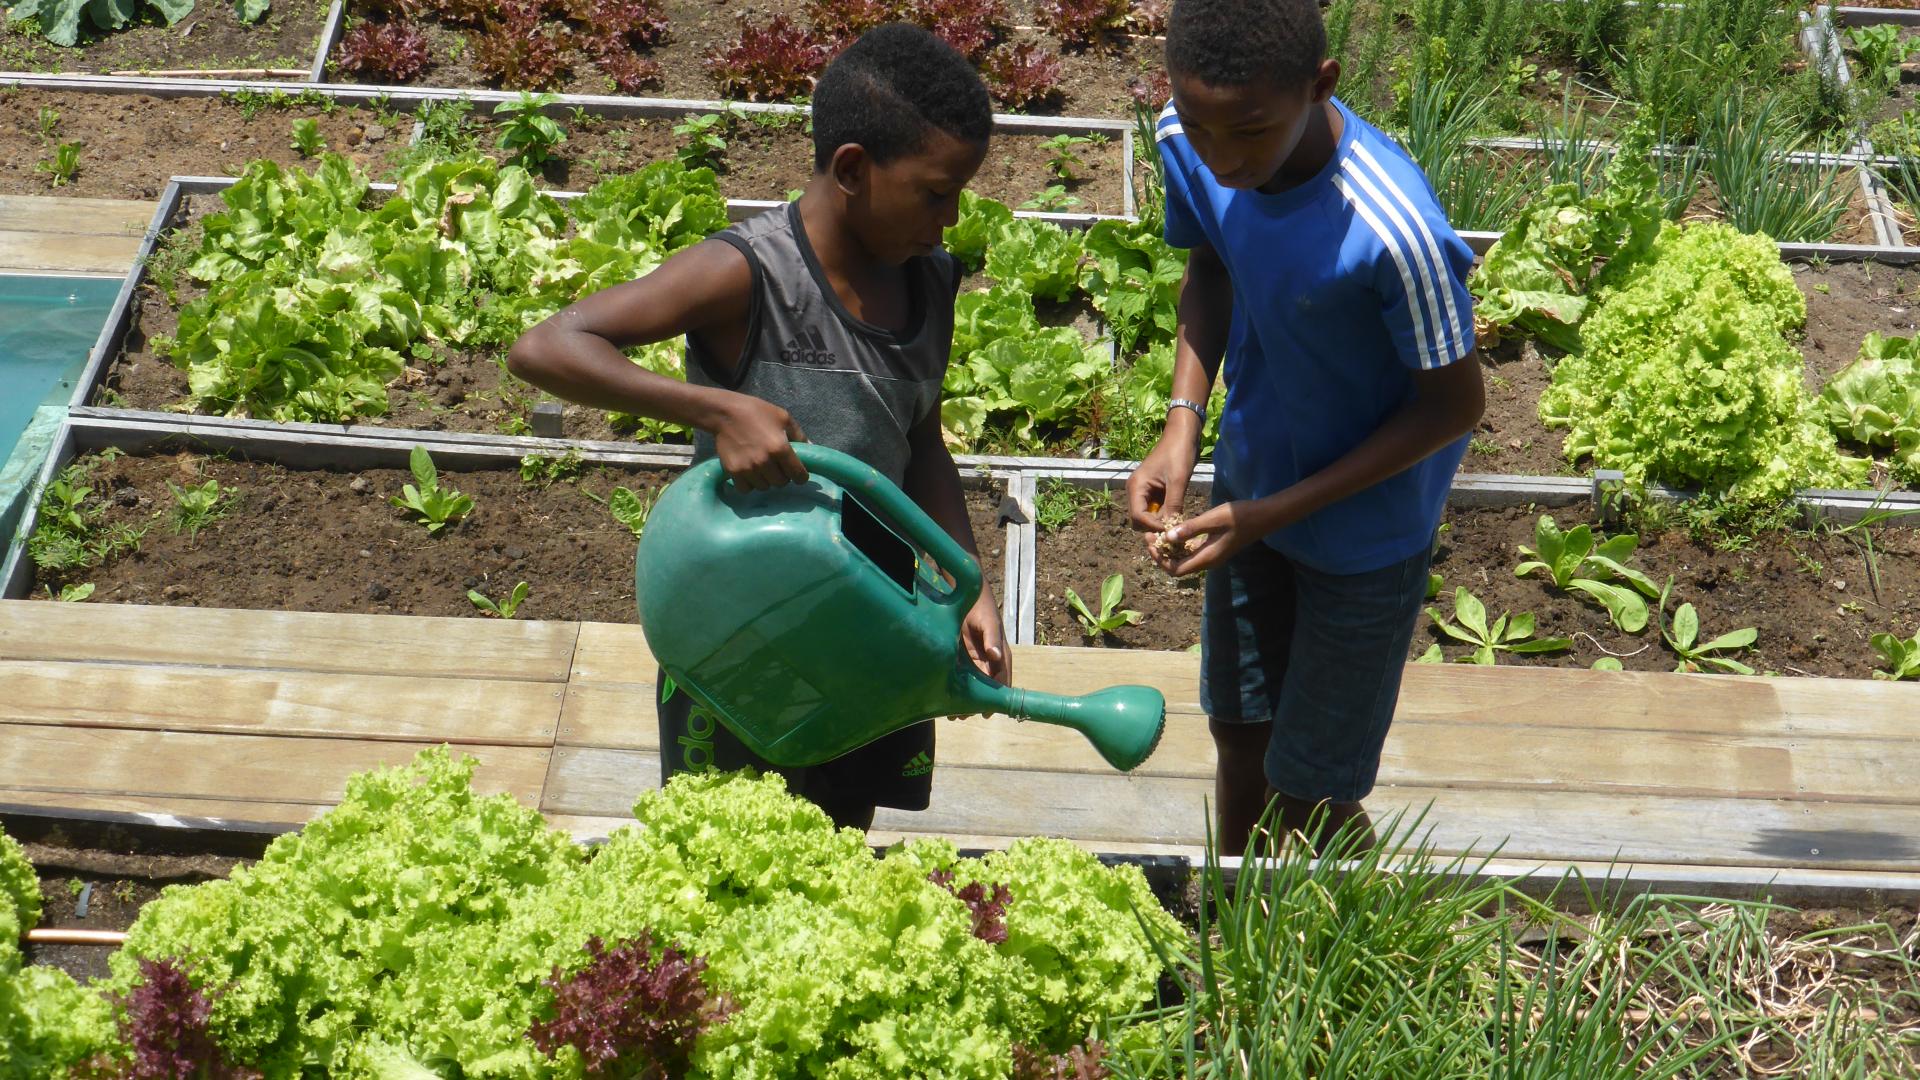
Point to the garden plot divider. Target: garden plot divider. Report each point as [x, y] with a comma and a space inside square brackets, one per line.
[329, 37]
[409, 99]
[1169, 875]
[338, 447]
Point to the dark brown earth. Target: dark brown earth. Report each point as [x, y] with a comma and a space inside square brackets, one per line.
[209, 38]
[1811, 595]
[1081, 554]
[767, 161]
[132, 143]
[308, 540]
[121, 885]
[1094, 82]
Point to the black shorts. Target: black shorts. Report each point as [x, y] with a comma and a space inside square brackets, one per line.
[894, 770]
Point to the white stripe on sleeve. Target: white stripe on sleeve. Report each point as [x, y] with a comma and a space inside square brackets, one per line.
[1441, 275]
[1390, 242]
[1427, 299]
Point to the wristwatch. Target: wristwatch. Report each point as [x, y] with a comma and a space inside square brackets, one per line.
[1199, 410]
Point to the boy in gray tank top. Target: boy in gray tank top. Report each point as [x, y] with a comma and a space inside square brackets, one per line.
[829, 319]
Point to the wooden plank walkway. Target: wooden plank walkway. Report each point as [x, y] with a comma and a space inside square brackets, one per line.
[50, 234]
[263, 715]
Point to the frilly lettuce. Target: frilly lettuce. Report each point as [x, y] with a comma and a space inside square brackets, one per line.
[1682, 375]
[412, 934]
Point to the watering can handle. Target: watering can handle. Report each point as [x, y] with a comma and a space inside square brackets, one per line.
[880, 494]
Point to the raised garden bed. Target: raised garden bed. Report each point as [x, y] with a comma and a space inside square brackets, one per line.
[457, 390]
[1845, 302]
[1093, 81]
[331, 540]
[131, 144]
[1813, 983]
[1815, 597]
[210, 39]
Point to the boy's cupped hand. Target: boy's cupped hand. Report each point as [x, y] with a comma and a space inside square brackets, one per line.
[1206, 541]
[754, 442]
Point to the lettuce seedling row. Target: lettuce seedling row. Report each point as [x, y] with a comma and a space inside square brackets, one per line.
[1816, 598]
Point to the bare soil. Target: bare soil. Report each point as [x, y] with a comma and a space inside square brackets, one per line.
[1094, 82]
[768, 161]
[1815, 598]
[211, 37]
[1845, 302]
[1083, 553]
[116, 885]
[131, 144]
[325, 540]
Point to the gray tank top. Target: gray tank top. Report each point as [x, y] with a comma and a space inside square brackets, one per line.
[850, 385]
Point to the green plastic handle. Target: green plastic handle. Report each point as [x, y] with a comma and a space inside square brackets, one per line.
[882, 496]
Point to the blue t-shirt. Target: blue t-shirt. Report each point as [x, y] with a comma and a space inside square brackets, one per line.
[1342, 288]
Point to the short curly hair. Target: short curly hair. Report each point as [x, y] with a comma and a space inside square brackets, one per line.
[1234, 43]
[890, 88]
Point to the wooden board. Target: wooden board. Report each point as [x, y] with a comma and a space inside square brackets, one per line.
[78, 217]
[1531, 824]
[131, 765]
[1536, 697]
[591, 782]
[272, 813]
[65, 253]
[282, 703]
[287, 640]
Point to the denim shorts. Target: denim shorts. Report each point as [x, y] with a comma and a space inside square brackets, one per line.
[1320, 655]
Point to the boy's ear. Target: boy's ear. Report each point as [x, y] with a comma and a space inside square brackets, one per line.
[849, 167]
[1325, 80]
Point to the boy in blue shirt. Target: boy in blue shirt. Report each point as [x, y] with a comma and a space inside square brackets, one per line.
[1323, 270]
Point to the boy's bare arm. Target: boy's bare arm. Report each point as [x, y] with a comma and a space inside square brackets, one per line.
[933, 482]
[1206, 320]
[1447, 404]
[703, 292]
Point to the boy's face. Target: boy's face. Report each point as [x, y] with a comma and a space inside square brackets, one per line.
[1245, 134]
[903, 208]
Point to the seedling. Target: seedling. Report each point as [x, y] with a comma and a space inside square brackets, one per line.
[1573, 561]
[1054, 199]
[437, 507]
[1058, 503]
[1061, 159]
[62, 166]
[194, 508]
[631, 509]
[306, 137]
[528, 134]
[1510, 633]
[505, 607]
[1608, 663]
[1112, 616]
[1902, 655]
[1434, 583]
[543, 471]
[71, 594]
[49, 119]
[702, 143]
[1684, 635]
[65, 536]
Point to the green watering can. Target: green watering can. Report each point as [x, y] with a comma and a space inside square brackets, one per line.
[813, 618]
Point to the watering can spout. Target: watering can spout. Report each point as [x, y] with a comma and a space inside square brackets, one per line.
[1124, 723]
